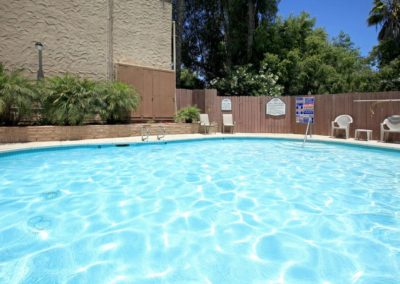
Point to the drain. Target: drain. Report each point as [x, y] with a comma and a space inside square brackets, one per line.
[121, 145]
[39, 223]
[51, 194]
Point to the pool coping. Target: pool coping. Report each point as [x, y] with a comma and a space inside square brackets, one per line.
[17, 147]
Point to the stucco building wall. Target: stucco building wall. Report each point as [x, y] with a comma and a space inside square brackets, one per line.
[147, 25]
[79, 38]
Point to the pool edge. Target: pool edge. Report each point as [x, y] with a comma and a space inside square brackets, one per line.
[10, 149]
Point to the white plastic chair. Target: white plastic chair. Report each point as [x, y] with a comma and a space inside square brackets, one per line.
[227, 120]
[342, 122]
[390, 125]
[205, 123]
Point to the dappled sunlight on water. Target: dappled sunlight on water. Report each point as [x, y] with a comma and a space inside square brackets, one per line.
[224, 211]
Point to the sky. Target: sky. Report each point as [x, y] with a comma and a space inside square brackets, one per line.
[334, 16]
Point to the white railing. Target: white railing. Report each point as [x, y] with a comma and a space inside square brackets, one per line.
[307, 130]
[161, 132]
[145, 132]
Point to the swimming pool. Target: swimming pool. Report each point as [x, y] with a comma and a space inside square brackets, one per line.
[210, 211]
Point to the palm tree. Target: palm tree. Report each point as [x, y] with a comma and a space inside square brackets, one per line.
[17, 96]
[69, 100]
[117, 101]
[386, 13]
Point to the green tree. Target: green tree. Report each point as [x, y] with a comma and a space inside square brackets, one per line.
[244, 81]
[307, 61]
[220, 34]
[343, 40]
[189, 80]
[388, 77]
[203, 51]
[179, 9]
[17, 96]
[227, 41]
[386, 14]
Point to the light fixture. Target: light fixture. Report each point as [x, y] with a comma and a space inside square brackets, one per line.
[39, 47]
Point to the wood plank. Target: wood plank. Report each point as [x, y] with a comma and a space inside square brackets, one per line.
[249, 112]
[154, 86]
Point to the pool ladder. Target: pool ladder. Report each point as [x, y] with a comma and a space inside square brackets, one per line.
[161, 132]
[146, 132]
[307, 129]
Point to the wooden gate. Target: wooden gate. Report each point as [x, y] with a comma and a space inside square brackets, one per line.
[156, 89]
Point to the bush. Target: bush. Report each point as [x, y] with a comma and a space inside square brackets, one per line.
[188, 114]
[243, 81]
[69, 100]
[17, 96]
[117, 100]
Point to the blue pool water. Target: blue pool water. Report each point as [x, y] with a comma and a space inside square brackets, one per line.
[218, 211]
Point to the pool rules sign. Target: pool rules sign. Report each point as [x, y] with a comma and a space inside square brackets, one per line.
[305, 109]
[275, 107]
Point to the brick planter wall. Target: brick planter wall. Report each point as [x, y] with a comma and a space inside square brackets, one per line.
[64, 133]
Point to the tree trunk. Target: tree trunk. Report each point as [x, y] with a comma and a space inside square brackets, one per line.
[250, 28]
[180, 18]
[225, 5]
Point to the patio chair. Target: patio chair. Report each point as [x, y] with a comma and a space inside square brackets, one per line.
[342, 122]
[205, 123]
[227, 120]
[390, 125]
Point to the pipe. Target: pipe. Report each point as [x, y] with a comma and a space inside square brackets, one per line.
[110, 41]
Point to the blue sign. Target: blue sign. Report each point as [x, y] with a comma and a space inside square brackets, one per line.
[305, 109]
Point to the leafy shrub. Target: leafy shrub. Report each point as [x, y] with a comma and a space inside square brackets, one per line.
[117, 100]
[189, 80]
[17, 96]
[188, 114]
[243, 81]
[69, 100]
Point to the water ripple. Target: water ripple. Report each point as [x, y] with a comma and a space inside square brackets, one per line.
[230, 211]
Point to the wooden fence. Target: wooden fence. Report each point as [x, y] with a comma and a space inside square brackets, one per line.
[249, 112]
[185, 98]
[156, 88]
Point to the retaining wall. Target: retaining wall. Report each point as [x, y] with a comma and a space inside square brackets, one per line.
[64, 133]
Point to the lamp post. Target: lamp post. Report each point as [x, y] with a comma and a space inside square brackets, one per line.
[39, 46]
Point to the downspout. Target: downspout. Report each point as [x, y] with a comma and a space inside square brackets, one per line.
[110, 41]
[174, 58]
[174, 45]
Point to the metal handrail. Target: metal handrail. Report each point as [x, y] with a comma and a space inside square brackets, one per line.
[161, 132]
[144, 132]
[307, 129]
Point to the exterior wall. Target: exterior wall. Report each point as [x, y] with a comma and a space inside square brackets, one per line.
[77, 35]
[147, 25]
[63, 133]
[74, 33]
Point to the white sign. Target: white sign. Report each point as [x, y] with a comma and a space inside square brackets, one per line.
[276, 107]
[226, 105]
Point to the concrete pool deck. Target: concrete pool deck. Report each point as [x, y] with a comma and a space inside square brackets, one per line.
[134, 139]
